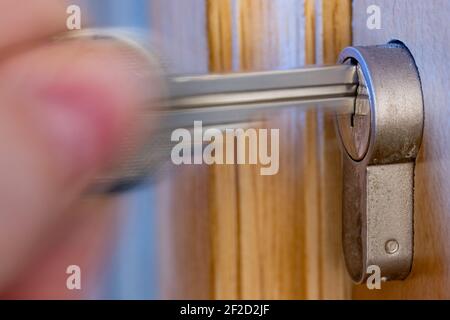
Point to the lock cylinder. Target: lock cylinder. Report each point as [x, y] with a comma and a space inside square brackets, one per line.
[380, 140]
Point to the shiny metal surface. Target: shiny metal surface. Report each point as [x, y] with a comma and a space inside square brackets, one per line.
[262, 87]
[378, 194]
[241, 97]
[216, 100]
[354, 126]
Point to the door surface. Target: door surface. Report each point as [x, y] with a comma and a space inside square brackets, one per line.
[230, 233]
[226, 231]
[424, 27]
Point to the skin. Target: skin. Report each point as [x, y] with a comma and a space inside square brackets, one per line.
[65, 108]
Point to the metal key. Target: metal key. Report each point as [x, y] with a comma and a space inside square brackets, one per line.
[376, 95]
[241, 97]
[216, 100]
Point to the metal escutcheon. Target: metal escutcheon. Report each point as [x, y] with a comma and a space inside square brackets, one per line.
[381, 142]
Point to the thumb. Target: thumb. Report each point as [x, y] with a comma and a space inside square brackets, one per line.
[65, 108]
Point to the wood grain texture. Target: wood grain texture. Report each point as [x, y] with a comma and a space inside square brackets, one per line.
[423, 27]
[228, 232]
[223, 200]
[198, 211]
[271, 209]
[311, 178]
[333, 29]
[219, 30]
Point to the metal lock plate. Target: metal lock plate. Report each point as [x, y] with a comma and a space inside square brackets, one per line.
[381, 141]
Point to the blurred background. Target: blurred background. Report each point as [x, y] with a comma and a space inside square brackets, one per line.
[132, 271]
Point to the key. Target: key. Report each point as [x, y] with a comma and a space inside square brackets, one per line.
[218, 101]
[375, 93]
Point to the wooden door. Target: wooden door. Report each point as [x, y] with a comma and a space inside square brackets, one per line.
[424, 27]
[227, 232]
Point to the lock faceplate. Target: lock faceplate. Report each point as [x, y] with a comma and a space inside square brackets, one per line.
[381, 141]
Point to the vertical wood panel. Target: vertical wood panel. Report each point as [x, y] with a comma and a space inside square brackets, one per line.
[271, 208]
[227, 231]
[186, 257]
[223, 181]
[333, 30]
[198, 208]
[312, 213]
[220, 37]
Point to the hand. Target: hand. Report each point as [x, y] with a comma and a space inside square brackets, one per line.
[64, 108]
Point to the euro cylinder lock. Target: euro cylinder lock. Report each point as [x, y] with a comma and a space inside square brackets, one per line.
[376, 94]
[381, 140]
